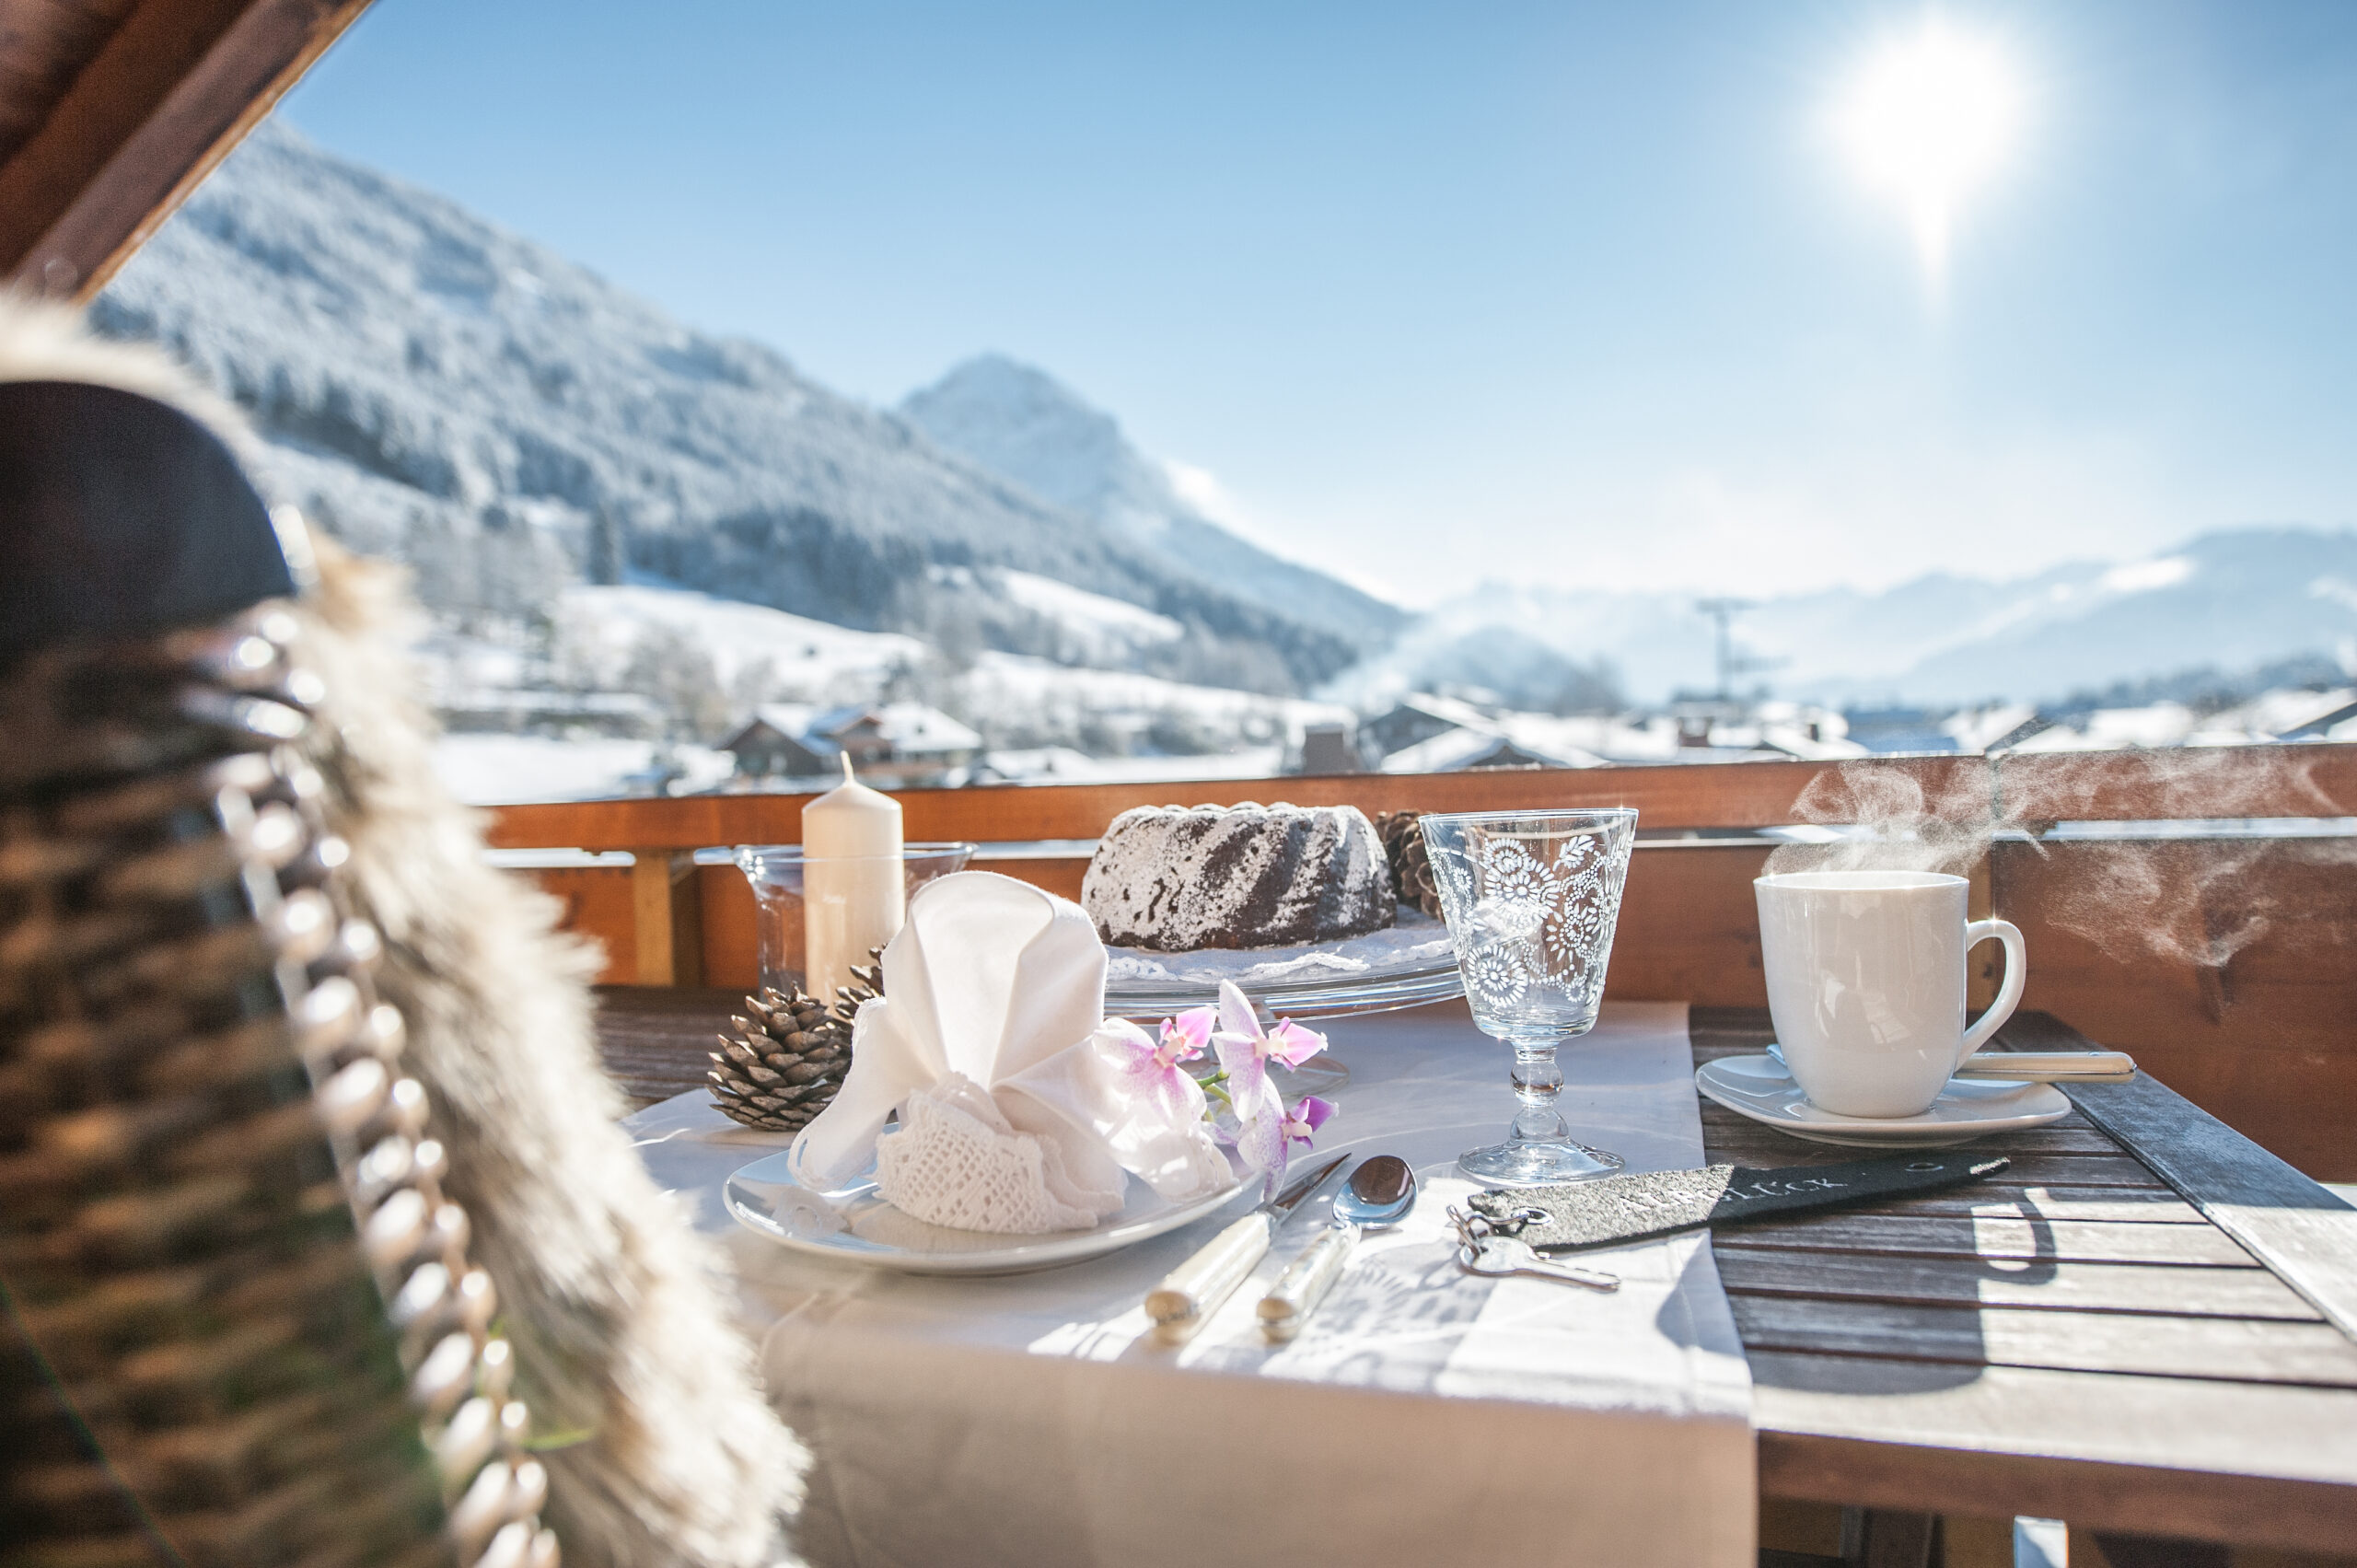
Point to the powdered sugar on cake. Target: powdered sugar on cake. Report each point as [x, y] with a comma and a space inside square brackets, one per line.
[1173, 879]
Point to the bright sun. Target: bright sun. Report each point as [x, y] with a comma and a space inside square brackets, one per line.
[1927, 118]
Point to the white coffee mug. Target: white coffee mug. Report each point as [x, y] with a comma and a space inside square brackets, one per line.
[1865, 982]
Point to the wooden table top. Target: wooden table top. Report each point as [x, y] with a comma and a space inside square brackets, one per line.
[2077, 1338]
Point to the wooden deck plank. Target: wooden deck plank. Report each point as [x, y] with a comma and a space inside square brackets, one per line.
[1926, 1474]
[2120, 1205]
[2238, 1352]
[2258, 1464]
[2305, 1234]
[2161, 1421]
[2059, 1240]
[2074, 1287]
[2027, 1170]
[1731, 1132]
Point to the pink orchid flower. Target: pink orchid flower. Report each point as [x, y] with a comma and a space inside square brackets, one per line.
[1154, 1071]
[1309, 1114]
[1245, 1051]
[1187, 1036]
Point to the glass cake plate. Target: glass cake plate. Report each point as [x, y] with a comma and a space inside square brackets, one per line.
[1406, 966]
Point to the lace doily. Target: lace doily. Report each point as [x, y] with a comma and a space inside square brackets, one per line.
[956, 1161]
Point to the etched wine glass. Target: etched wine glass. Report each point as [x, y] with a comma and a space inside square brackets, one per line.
[1531, 897]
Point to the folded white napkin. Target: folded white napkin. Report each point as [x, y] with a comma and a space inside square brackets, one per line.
[1022, 1106]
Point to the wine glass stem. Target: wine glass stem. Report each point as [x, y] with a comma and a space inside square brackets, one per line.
[1538, 1080]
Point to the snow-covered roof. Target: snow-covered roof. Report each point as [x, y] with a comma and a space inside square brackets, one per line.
[2116, 730]
[2288, 712]
[912, 729]
[1461, 747]
[1450, 710]
[1795, 740]
[830, 722]
[786, 718]
[1976, 729]
[916, 728]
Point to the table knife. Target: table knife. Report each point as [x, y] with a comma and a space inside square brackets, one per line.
[2051, 1067]
[1191, 1293]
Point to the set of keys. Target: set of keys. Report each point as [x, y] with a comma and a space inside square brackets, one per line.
[1484, 1248]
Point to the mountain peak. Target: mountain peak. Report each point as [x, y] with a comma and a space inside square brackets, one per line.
[1023, 425]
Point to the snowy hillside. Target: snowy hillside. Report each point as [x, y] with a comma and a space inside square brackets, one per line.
[436, 388]
[789, 658]
[757, 654]
[1024, 426]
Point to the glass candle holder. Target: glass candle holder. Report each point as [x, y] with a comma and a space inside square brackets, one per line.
[782, 917]
[1531, 897]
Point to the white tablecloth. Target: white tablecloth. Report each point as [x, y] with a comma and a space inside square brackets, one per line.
[1424, 1416]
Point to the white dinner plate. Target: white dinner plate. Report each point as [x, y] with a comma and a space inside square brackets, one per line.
[1761, 1089]
[1407, 964]
[856, 1226]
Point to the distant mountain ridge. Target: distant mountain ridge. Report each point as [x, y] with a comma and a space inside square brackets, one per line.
[2231, 599]
[436, 388]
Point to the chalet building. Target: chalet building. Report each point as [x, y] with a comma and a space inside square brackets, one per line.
[1419, 716]
[901, 745]
[1329, 748]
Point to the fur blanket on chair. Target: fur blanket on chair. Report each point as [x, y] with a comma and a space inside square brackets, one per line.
[617, 1311]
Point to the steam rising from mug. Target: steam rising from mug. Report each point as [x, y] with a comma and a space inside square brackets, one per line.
[2180, 899]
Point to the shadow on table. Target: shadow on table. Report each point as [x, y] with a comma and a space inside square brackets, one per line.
[1395, 1322]
[1876, 1322]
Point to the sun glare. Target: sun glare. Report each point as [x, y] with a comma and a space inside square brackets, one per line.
[1928, 118]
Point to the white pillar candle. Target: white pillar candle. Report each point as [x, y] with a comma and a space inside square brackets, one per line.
[853, 891]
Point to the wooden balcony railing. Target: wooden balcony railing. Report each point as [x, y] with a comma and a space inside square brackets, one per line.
[2198, 908]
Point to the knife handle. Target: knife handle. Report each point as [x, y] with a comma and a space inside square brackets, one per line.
[1306, 1281]
[2051, 1067]
[1193, 1291]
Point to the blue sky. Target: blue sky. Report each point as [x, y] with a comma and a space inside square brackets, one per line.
[1579, 293]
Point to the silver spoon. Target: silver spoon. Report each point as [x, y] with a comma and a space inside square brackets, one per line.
[1381, 1192]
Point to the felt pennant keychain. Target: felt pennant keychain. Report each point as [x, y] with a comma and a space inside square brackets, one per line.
[1630, 1208]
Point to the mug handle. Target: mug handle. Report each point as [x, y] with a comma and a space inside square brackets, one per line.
[2009, 994]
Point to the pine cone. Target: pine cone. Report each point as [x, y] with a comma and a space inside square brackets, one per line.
[785, 1065]
[1412, 866]
[867, 980]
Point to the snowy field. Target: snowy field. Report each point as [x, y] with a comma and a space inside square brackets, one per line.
[510, 770]
[802, 655]
[507, 769]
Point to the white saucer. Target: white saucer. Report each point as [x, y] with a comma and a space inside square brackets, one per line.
[1759, 1087]
[857, 1226]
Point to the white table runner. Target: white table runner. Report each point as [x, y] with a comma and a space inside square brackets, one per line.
[1424, 1415]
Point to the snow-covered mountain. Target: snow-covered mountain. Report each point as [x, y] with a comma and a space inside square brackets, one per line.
[1021, 423]
[438, 389]
[2229, 601]
[432, 387]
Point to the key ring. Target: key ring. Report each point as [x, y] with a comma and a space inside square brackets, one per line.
[1471, 1229]
[1472, 1226]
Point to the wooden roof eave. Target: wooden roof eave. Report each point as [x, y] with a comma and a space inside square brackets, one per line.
[113, 111]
